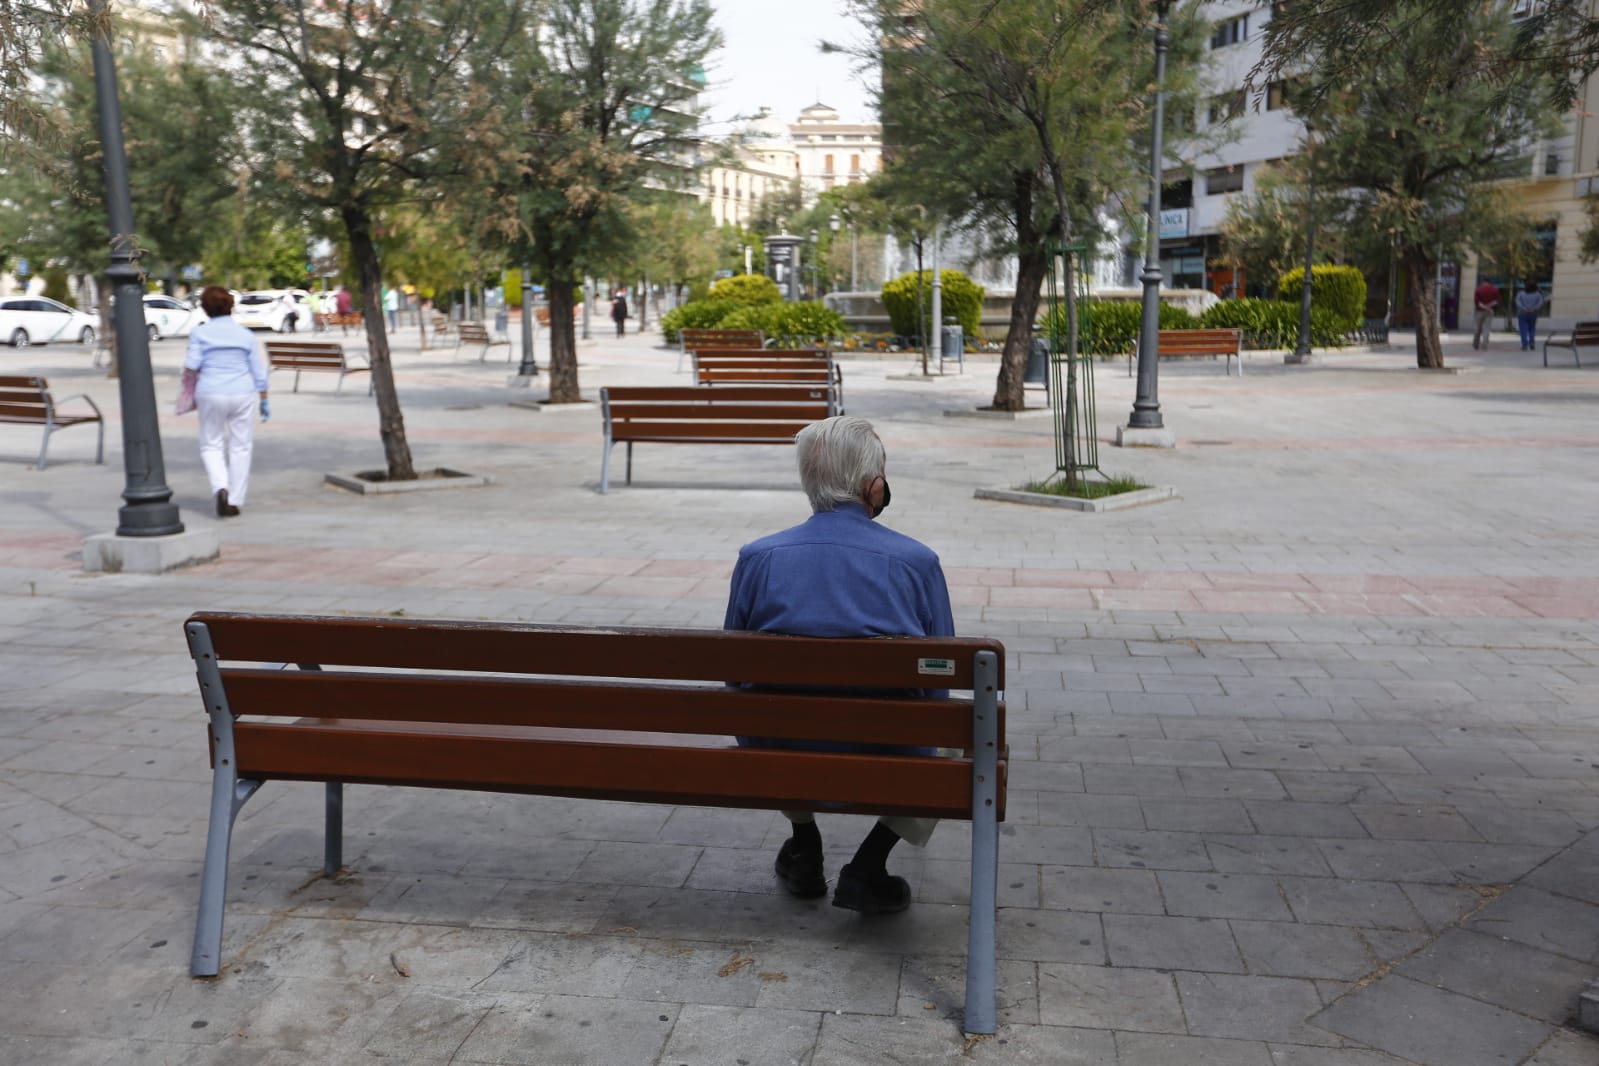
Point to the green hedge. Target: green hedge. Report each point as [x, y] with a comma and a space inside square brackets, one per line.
[1341, 290]
[746, 290]
[696, 314]
[1273, 323]
[789, 324]
[962, 300]
[1110, 327]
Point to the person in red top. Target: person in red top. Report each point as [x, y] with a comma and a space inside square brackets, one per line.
[1486, 298]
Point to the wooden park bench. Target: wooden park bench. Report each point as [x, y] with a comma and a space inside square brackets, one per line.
[440, 324]
[636, 715]
[313, 356]
[1183, 343]
[478, 333]
[1583, 335]
[690, 339]
[727, 414]
[769, 366]
[328, 319]
[27, 401]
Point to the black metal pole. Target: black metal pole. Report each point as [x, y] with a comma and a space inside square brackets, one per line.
[1146, 405]
[530, 364]
[148, 510]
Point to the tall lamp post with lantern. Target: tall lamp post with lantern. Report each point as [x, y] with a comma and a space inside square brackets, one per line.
[1144, 426]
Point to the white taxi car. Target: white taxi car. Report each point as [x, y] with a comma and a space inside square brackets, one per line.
[167, 316]
[280, 310]
[26, 320]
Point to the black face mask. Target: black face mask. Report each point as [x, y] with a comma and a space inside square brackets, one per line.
[887, 496]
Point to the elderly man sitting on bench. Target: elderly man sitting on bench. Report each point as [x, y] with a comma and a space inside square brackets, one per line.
[839, 574]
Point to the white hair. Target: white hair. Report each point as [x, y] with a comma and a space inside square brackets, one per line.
[837, 457]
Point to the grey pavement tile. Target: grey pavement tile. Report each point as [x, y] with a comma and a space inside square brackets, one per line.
[1148, 1049]
[1363, 904]
[1266, 755]
[681, 972]
[829, 979]
[1309, 786]
[1151, 702]
[1070, 845]
[1384, 860]
[707, 1035]
[1177, 753]
[1213, 895]
[1430, 1026]
[1441, 905]
[1141, 781]
[1265, 855]
[629, 863]
[1501, 972]
[1171, 943]
[1109, 997]
[1502, 825]
[1301, 1055]
[430, 1023]
[1197, 816]
[1573, 873]
[1148, 849]
[1090, 888]
[723, 828]
[1046, 776]
[1324, 820]
[1394, 821]
[1567, 1047]
[1064, 808]
[1242, 1007]
[1049, 936]
[1237, 784]
[1291, 949]
[31, 932]
[567, 1028]
[1549, 923]
[1085, 749]
[1489, 863]
[950, 881]
[930, 984]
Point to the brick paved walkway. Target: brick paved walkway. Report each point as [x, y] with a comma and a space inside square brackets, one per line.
[1304, 761]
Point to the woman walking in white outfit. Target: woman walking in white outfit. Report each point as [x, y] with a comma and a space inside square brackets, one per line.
[231, 387]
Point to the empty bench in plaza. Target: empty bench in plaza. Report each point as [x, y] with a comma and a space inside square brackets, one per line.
[1582, 335]
[689, 340]
[727, 414]
[639, 715]
[770, 366]
[27, 401]
[478, 333]
[1192, 343]
[324, 357]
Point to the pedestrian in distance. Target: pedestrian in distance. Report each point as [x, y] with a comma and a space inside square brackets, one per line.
[1487, 300]
[391, 307]
[230, 388]
[619, 311]
[344, 306]
[1529, 301]
[841, 574]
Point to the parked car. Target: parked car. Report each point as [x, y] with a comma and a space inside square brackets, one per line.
[167, 316]
[280, 310]
[28, 320]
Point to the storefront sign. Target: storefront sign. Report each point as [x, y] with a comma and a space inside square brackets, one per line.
[1173, 223]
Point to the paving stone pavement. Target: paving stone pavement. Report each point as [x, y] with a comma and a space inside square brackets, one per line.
[1304, 760]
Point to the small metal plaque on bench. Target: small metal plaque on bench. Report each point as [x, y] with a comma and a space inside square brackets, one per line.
[941, 667]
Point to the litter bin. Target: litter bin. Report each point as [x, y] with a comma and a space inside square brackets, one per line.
[1037, 372]
[502, 320]
[954, 345]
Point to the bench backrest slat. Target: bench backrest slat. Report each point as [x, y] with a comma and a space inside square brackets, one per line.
[581, 704]
[686, 396]
[671, 655]
[711, 776]
[722, 338]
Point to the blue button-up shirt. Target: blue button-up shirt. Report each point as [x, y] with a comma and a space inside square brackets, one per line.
[839, 574]
[228, 357]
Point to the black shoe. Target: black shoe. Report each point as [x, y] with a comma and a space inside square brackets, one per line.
[880, 893]
[800, 872]
[224, 508]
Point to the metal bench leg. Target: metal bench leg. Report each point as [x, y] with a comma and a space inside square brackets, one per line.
[338, 388]
[980, 943]
[333, 846]
[99, 445]
[630, 462]
[44, 446]
[296, 381]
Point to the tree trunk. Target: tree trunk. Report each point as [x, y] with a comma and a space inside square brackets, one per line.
[563, 345]
[1032, 265]
[391, 423]
[1429, 347]
[108, 330]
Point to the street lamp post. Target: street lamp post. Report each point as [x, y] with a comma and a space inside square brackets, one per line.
[1144, 425]
[148, 510]
[1302, 353]
[530, 363]
[815, 277]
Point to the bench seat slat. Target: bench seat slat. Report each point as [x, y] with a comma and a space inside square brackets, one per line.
[369, 753]
[689, 395]
[598, 705]
[528, 648]
[710, 411]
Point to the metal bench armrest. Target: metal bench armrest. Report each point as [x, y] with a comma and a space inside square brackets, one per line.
[79, 396]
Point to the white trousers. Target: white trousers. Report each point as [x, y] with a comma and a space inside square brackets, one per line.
[227, 429]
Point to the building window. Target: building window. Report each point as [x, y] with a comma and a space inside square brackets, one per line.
[1226, 107]
[1526, 9]
[1277, 96]
[827, 164]
[855, 167]
[1230, 32]
[1224, 179]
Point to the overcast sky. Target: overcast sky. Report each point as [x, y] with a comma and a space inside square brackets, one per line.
[770, 57]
